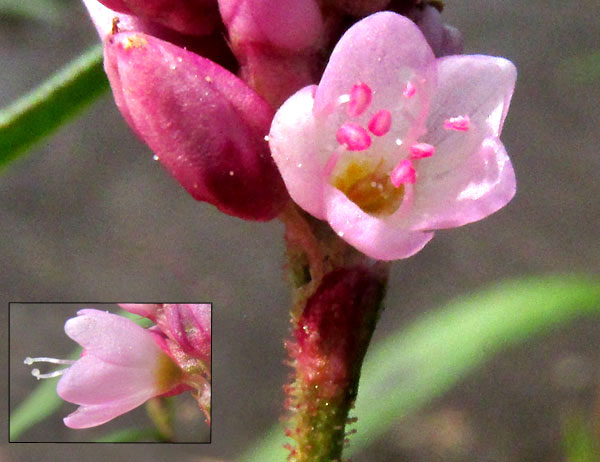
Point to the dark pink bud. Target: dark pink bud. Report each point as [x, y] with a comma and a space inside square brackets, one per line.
[331, 333]
[205, 125]
[189, 325]
[287, 24]
[194, 17]
[359, 8]
[443, 39]
[276, 43]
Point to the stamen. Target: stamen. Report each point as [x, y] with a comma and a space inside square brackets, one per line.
[410, 90]
[36, 372]
[403, 173]
[380, 123]
[458, 123]
[29, 361]
[353, 136]
[37, 375]
[360, 99]
[421, 150]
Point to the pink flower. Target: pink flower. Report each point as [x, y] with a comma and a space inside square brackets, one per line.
[184, 332]
[384, 187]
[121, 367]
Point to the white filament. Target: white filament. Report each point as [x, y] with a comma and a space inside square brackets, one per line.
[36, 372]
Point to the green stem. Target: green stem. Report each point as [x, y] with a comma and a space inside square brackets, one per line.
[47, 107]
[338, 294]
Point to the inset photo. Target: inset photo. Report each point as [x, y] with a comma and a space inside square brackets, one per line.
[110, 372]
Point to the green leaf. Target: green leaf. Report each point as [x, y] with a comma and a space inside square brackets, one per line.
[40, 10]
[579, 441]
[405, 371]
[56, 101]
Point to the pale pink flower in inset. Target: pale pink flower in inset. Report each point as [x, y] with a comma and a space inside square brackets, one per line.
[385, 185]
[121, 367]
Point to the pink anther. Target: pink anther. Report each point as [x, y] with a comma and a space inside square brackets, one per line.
[410, 90]
[458, 123]
[421, 150]
[403, 173]
[360, 98]
[380, 123]
[353, 136]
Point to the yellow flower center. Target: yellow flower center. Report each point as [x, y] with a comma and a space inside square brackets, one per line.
[369, 187]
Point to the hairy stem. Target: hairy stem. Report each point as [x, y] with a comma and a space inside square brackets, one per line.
[337, 301]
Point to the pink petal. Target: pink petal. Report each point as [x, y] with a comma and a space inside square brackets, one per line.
[379, 238]
[476, 86]
[484, 184]
[298, 150]
[93, 415]
[384, 51]
[479, 87]
[113, 338]
[92, 380]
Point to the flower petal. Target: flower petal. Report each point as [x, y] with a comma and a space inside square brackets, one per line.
[94, 381]
[483, 184]
[385, 51]
[97, 414]
[379, 238]
[296, 147]
[478, 86]
[113, 338]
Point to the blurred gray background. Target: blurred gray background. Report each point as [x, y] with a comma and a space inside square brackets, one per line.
[88, 216]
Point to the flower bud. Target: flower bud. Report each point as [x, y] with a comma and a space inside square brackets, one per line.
[203, 123]
[193, 17]
[444, 40]
[188, 325]
[276, 43]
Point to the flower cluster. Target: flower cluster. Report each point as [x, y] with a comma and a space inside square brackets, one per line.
[123, 365]
[399, 138]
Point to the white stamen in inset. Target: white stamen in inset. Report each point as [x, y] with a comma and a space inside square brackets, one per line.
[267, 138]
[398, 142]
[155, 157]
[343, 99]
[36, 372]
[458, 123]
